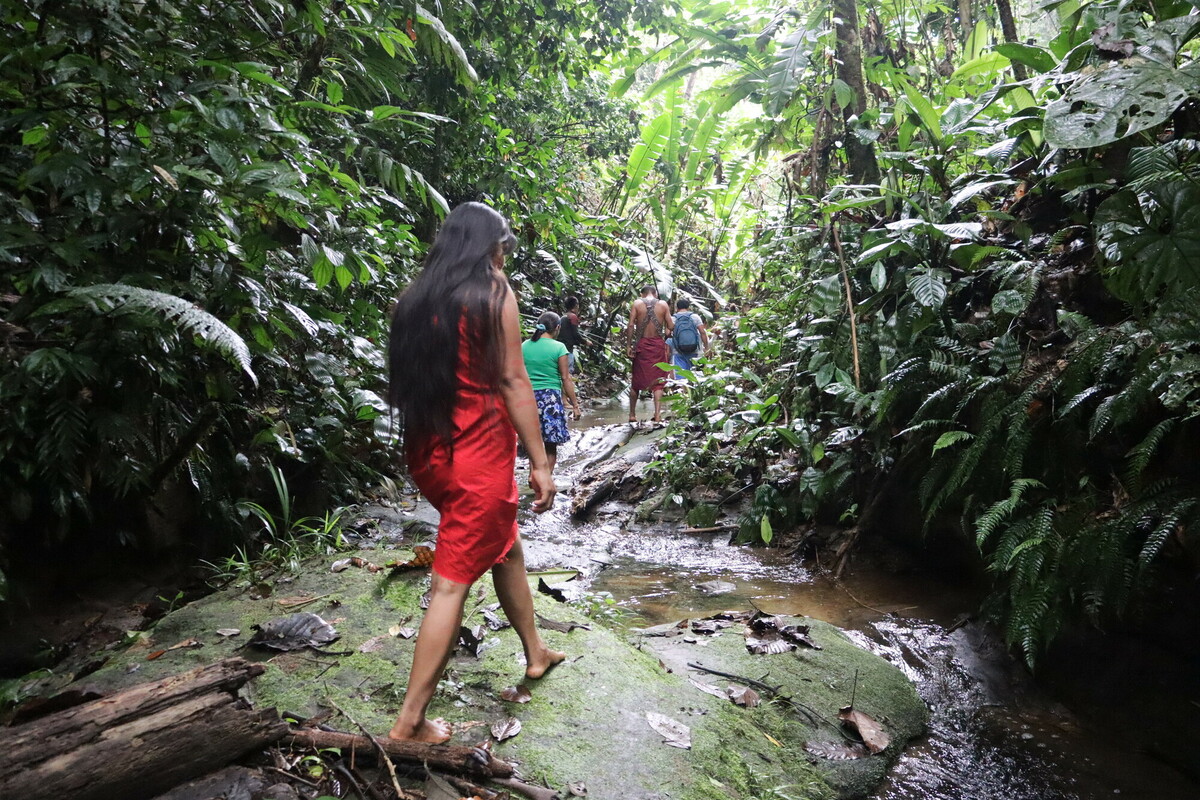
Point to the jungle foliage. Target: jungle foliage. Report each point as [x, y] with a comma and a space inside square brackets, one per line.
[205, 211]
[997, 338]
[949, 253]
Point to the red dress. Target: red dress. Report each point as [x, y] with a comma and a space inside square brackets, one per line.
[476, 490]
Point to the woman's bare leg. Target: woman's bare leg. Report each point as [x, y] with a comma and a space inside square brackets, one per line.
[512, 587]
[439, 631]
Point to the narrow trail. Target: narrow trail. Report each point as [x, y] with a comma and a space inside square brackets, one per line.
[993, 735]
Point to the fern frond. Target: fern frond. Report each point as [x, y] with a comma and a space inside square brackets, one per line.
[185, 315]
[1140, 454]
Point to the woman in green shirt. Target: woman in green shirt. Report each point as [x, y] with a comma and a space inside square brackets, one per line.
[547, 364]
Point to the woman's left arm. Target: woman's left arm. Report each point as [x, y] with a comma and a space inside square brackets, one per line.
[564, 371]
[517, 392]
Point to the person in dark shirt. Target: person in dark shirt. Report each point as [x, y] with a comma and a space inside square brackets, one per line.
[568, 331]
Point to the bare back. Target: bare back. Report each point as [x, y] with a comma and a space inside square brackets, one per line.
[645, 322]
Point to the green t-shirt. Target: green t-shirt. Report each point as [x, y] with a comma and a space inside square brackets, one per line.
[541, 362]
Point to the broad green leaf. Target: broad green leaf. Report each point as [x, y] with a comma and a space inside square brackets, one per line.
[458, 56]
[1032, 56]
[1151, 241]
[1117, 100]
[925, 111]
[34, 135]
[928, 286]
[765, 531]
[951, 437]
[986, 65]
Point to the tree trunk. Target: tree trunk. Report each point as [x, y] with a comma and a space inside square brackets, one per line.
[861, 155]
[1009, 28]
[451, 758]
[139, 742]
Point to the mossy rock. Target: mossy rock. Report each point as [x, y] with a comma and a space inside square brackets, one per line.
[823, 681]
[587, 719]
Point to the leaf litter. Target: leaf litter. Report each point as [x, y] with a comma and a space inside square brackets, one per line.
[675, 734]
[516, 694]
[561, 627]
[873, 735]
[294, 632]
[506, 729]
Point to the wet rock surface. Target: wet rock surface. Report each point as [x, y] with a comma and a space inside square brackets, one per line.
[586, 721]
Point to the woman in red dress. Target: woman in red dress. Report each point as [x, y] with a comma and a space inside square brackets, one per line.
[459, 383]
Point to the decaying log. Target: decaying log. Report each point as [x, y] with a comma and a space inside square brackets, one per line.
[451, 758]
[139, 742]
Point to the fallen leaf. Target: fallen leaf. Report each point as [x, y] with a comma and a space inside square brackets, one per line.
[371, 645]
[422, 557]
[156, 654]
[872, 733]
[228, 631]
[340, 565]
[367, 565]
[799, 635]
[406, 633]
[516, 694]
[472, 638]
[555, 591]
[394, 630]
[506, 729]
[493, 621]
[708, 626]
[836, 751]
[294, 632]
[185, 643]
[675, 733]
[743, 696]
[708, 688]
[577, 789]
[561, 627]
[424, 603]
[768, 644]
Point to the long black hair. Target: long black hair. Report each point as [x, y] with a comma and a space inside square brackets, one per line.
[458, 282]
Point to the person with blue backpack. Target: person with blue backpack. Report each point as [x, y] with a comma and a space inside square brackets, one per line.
[690, 339]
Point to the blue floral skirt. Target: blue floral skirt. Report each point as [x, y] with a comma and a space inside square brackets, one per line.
[552, 415]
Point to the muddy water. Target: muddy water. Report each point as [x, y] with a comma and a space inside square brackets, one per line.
[993, 735]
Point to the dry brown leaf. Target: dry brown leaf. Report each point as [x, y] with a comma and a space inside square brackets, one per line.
[228, 631]
[506, 729]
[516, 694]
[675, 733]
[872, 733]
[743, 696]
[422, 557]
[156, 654]
[185, 643]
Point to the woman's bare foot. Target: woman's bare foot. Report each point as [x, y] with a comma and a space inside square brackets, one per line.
[537, 667]
[633, 420]
[434, 731]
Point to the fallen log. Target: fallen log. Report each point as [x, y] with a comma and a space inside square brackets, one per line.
[139, 742]
[451, 758]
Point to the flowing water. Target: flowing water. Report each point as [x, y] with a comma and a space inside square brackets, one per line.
[992, 735]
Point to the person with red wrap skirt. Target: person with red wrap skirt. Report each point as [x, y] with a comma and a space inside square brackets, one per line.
[459, 384]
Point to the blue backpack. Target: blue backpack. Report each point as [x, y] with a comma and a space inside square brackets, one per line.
[687, 336]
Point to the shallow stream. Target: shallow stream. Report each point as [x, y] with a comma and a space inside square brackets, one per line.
[993, 734]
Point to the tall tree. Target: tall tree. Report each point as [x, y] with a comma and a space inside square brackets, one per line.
[859, 152]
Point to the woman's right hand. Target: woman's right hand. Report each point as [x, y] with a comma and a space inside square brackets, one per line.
[542, 483]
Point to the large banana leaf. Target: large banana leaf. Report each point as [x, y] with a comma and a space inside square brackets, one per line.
[645, 155]
[784, 75]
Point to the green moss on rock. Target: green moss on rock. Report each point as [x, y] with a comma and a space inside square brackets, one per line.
[587, 719]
